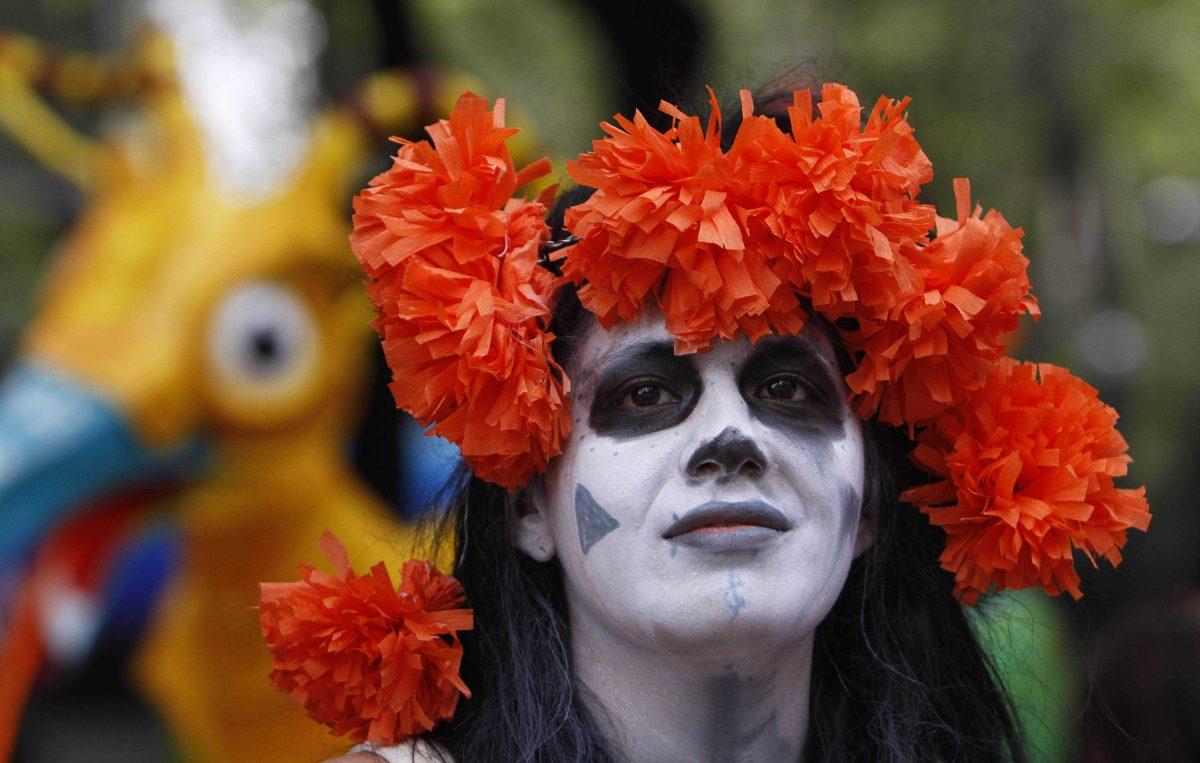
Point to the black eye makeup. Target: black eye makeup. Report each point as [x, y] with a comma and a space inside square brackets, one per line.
[787, 381]
[643, 388]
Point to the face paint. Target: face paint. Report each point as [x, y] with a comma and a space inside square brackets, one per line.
[740, 718]
[729, 455]
[716, 494]
[791, 383]
[733, 599]
[592, 520]
[644, 387]
[850, 498]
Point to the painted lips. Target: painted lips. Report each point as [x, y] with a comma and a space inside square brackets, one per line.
[728, 526]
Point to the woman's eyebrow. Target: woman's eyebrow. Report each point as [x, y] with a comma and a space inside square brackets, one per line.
[776, 349]
[633, 353]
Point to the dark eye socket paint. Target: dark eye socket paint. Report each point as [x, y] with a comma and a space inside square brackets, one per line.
[616, 410]
[820, 401]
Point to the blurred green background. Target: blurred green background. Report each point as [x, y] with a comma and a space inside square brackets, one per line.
[1080, 121]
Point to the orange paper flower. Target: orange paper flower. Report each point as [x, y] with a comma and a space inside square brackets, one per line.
[725, 242]
[1029, 461]
[939, 344]
[670, 221]
[364, 658]
[843, 195]
[463, 305]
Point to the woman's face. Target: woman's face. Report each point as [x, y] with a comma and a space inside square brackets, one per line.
[702, 496]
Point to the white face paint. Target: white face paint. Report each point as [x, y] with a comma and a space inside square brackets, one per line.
[703, 498]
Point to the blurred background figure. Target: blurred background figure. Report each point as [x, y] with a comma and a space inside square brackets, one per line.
[174, 427]
[165, 418]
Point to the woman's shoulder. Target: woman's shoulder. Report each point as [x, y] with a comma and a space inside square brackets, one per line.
[412, 751]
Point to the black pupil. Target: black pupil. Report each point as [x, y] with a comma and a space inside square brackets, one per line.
[645, 395]
[782, 389]
[265, 344]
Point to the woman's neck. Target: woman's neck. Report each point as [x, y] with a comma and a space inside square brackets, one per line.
[750, 706]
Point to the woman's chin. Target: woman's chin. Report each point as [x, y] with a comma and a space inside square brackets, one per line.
[726, 629]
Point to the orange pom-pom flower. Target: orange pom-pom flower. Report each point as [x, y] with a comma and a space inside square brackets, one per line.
[843, 195]
[727, 241]
[1028, 463]
[366, 659]
[668, 222]
[940, 343]
[463, 305]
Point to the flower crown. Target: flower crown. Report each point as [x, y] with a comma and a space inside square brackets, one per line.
[725, 242]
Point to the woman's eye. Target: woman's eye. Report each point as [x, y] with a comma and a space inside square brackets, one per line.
[783, 388]
[648, 395]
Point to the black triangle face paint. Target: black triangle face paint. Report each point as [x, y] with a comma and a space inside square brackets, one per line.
[594, 522]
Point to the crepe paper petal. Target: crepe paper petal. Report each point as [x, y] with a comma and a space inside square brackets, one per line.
[1028, 462]
[463, 306]
[726, 242]
[843, 194]
[671, 221]
[940, 344]
[364, 658]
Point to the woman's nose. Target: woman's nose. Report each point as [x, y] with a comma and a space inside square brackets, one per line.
[730, 454]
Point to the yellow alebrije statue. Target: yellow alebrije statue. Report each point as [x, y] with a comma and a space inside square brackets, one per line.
[200, 324]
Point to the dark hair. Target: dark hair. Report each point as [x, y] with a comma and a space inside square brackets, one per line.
[897, 671]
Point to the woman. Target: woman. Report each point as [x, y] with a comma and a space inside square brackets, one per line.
[706, 556]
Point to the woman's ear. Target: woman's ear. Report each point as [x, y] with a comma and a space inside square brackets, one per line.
[866, 520]
[866, 532]
[529, 523]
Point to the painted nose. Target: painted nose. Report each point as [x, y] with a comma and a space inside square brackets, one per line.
[730, 454]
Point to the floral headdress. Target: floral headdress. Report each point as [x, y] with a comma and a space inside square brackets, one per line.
[737, 241]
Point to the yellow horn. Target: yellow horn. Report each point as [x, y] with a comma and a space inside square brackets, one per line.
[87, 79]
[385, 103]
